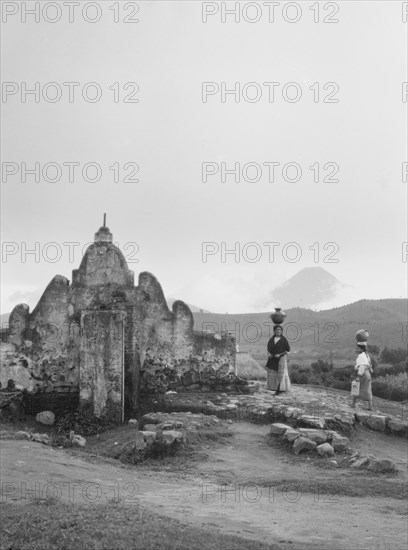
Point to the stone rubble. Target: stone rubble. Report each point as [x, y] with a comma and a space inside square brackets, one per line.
[327, 443]
[171, 428]
[300, 407]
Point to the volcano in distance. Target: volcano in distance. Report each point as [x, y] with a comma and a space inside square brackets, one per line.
[309, 288]
[194, 309]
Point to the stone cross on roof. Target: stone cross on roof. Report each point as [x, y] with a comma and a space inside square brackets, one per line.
[103, 234]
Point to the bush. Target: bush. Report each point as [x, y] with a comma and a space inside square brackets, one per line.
[299, 374]
[61, 441]
[394, 387]
[393, 356]
[385, 370]
[389, 382]
[303, 379]
[82, 424]
[321, 366]
[344, 375]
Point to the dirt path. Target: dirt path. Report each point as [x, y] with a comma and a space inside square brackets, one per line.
[253, 457]
[228, 491]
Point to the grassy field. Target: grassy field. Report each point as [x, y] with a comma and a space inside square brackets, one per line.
[50, 525]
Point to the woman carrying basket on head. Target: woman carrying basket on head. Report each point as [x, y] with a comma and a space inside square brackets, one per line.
[277, 366]
[363, 369]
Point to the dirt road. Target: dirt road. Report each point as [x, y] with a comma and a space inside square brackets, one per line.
[247, 488]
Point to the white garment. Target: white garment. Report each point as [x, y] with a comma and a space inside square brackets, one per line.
[363, 362]
[283, 374]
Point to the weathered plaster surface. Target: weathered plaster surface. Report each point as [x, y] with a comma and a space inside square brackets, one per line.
[102, 361]
[74, 339]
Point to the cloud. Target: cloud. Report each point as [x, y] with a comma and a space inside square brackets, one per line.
[11, 296]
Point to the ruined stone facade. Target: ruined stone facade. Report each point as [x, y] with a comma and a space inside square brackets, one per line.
[111, 340]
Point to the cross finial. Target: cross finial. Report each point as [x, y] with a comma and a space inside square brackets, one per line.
[104, 220]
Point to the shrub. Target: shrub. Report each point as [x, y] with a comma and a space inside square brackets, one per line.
[394, 387]
[385, 370]
[82, 424]
[321, 366]
[389, 382]
[299, 374]
[61, 441]
[303, 378]
[344, 375]
[393, 356]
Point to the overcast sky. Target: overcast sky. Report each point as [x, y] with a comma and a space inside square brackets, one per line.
[170, 212]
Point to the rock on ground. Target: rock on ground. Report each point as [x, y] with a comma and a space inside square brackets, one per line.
[360, 463]
[41, 438]
[170, 436]
[398, 426]
[340, 443]
[22, 435]
[318, 436]
[291, 434]
[325, 449]
[377, 422]
[149, 437]
[278, 429]
[140, 442]
[303, 444]
[47, 418]
[312, 421]
[381, 466]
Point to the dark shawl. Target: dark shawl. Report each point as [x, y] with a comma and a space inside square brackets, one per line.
[280, 347]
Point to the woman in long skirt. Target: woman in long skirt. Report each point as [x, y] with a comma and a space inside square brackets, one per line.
[277, 366]
[363, 369]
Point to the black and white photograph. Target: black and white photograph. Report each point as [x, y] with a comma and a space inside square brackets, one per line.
[204, 285]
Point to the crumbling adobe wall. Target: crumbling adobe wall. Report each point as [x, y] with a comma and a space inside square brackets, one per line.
[18, 324]
[49, 322]
[40, 354]
[69, 341]
[174, 356]
[161, 349]
[16, 366]
[36, 370]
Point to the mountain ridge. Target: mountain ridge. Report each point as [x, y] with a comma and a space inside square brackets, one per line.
[329, 333]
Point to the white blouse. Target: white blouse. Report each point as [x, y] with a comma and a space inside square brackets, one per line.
[362, 363]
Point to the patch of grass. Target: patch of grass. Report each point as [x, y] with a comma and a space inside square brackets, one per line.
[356, 484]
[208, 434]
[106, 526]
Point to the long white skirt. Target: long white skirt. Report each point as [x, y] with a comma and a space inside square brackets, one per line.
[281, 378]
